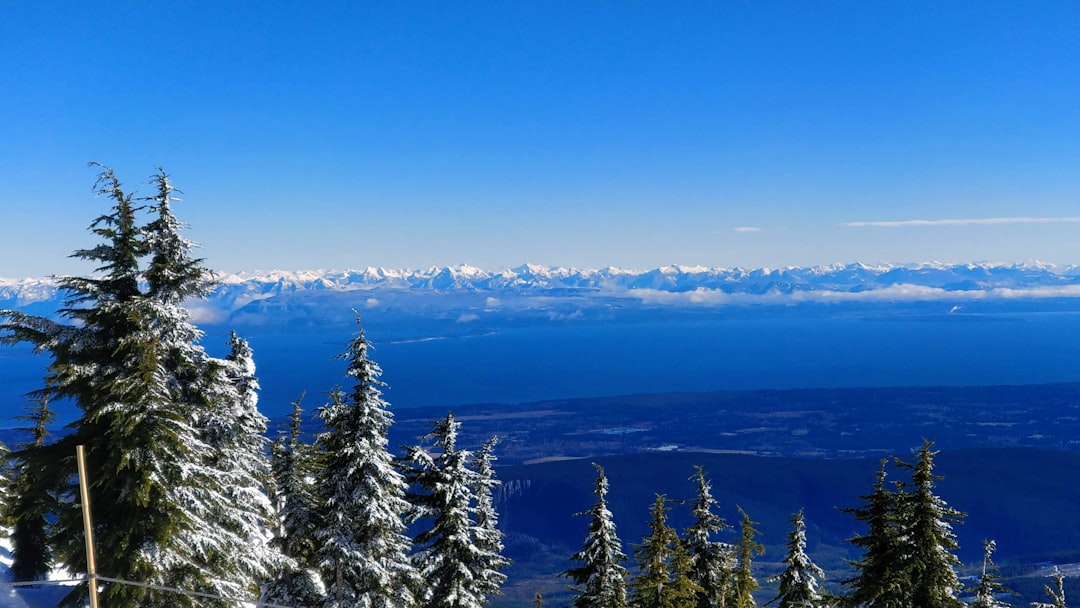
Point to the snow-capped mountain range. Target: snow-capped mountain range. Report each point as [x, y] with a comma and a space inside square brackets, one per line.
[676, 278]
[668, 284]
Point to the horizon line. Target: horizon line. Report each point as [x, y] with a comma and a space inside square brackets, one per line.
[247, 274]
[983, 221]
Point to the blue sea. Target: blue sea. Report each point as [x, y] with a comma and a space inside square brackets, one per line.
[590, 360]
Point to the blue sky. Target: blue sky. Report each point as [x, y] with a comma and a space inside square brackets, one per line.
[588, 134]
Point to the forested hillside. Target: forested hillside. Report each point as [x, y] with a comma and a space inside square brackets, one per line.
[1015, 496]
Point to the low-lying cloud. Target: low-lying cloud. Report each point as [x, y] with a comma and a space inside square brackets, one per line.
[901, 292]
[978, 221]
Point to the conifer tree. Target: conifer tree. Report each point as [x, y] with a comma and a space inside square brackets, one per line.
[1057, 593]
[5, 488]
[489, 538]
[111, 362]
[798, 583]
[221, 550]
[129, 359]
[989, 587]
[364, 552]
[711, 562]
[926, 525]
[80, 348]
[683, 591]
[880, 580]
[652, 556]
[31, 499]
[293, 465]
[663, 579]
[744, 582]
[451, 561]
[235, 431]
[601, 577]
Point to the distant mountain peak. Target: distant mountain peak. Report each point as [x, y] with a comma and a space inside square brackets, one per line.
[926, 280]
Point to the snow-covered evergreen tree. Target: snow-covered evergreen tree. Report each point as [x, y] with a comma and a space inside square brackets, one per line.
[115, 362]
[223, 550]
[601, 577]
[798, 583]
[989, 587]
[1056, 593]
[743, 579]
[488, 535]
[449, 558]
[880, 580]
[129, 359]
[293, 465]
[236, 432]
[712, 561]
[926, 525]
[363, 550]
[5, 489]
[31, 499]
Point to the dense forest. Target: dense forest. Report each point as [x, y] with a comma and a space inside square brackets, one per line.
[194, 505]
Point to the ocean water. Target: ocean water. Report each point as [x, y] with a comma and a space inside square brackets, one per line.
[599, 360]
[589, 360]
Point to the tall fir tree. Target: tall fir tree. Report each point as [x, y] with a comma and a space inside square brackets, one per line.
[744, 582]
[880, 580]
[652, 556]
[363, 550]
[601, 578]
[31, 498]
[235, 431]
[989, 586]
[111, 362]
[5, 489]
[294, 464]
[1056, 593]
[663, 566]
[488, 535]
[926, 526]
[129, 360]
[798, 583]
[712, 562]
[447, 554]
[683, 591]
[221, 551]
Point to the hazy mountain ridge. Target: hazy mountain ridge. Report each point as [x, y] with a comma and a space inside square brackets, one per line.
[914, 281]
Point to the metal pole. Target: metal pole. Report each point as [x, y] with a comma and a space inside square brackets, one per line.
[88, 525]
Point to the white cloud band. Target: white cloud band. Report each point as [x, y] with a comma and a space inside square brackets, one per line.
[983, 221]
[900, 292]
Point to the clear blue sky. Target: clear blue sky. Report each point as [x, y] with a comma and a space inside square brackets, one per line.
[410, 134]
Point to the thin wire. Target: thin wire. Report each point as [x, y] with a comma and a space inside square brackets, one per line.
[152, 586]
[52, 582]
